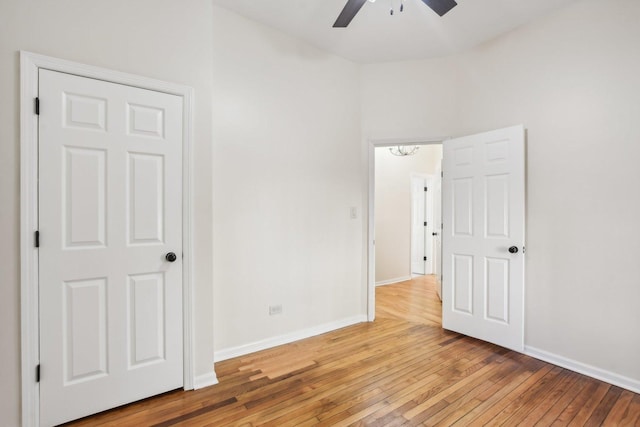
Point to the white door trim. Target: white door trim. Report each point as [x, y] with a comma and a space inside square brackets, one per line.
[372, 144]
[30, 63]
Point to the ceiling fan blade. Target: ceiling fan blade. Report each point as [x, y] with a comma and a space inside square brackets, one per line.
[441, 6]
[350, 10]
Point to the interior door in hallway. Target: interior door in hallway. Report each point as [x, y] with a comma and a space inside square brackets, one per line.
[418, 225]
[483, 236]
[421, 224]
[110, 221]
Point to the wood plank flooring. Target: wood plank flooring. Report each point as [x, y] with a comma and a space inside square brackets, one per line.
[401, 370]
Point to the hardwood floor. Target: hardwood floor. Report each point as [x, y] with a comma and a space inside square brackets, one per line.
[402, 369]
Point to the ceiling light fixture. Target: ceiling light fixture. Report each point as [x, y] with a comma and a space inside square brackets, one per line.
[391, 8]
[404, 150]
[352, 7]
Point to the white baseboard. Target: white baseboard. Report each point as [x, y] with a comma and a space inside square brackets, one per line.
[582, 368]
[206, 380]
[392, 281]
[230, 353]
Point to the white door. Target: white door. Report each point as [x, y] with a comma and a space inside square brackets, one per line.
[418, 225]
[421, 225]
[483, 261]
[437, 230]
[110, 211]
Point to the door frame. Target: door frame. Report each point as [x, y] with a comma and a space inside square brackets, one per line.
[372, 144]
[30, 64]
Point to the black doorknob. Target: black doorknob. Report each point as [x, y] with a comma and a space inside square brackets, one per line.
[171, 257]
[434, 234]
[513, 249]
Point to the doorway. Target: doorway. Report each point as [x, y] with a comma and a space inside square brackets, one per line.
[483, 195]
[404, 191]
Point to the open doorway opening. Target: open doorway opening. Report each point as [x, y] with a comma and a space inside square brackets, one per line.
[405, 211]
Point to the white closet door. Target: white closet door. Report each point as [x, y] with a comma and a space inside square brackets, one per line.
[110, 164]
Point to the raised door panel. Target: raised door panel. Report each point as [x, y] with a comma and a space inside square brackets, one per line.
[462, 207]
[496, 288]
[463, 156]
[462, 276]
[146, 188]
[497, 206]
[147, 319]
[497, 151]
[85, 355]
[85, 112]
[84, 198]
[144, 120]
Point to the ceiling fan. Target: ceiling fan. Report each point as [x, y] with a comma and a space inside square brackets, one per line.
[353, 7]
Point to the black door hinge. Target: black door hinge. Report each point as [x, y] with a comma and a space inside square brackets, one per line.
[38, 106]
[425, 223]
[37, 239]
[425, 258]
[425, 188]
[38, 373]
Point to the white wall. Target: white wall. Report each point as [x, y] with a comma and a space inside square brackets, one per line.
[409, 99]
[393, 208]
[287, 168]
[163, 39]
[572, 79]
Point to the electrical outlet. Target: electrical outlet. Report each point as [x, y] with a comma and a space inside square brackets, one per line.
[275, 309]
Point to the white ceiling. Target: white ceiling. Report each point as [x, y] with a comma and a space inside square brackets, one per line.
[376, 36]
